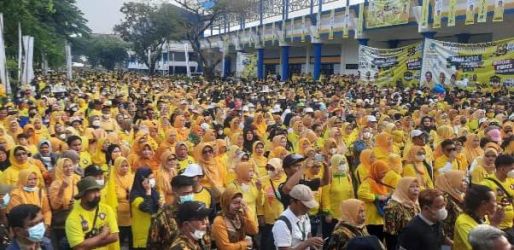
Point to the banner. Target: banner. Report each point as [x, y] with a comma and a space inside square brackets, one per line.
[452, 10]
[389, 67]
[424, 14]
[482, 11]
[332, 23]
[470, 12]
[498, 11]
[382, 13]
[246, 65]
[291, 31]
[468, 65]
[67, 50]
[360, 22]
[438, 5]
[346, 21]
[304, 27]
[273, 33]
[28, 70]
[4, 76]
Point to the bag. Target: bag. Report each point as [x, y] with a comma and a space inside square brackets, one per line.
[94, 231]
[380, 205]
[498, 184]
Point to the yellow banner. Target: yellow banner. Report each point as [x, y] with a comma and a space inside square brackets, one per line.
[437, 14]
[382, 13]
[452, 9]
[304, 27]
[482, 11]
[346, 24]
[332, 23]
[424, 13]
[470, 12]
[498, 11]
[360, 21]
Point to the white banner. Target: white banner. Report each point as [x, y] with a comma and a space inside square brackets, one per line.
[4, 76]
[246, 64]
[28, 70]
[67, 49]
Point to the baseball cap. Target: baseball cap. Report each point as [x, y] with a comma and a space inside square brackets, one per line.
[372, 118]
[416, 133]
[190, 210]
[193, 170]
[86, 184]
[93, 170]
[276, 163]
[292, 159]
[304, 194]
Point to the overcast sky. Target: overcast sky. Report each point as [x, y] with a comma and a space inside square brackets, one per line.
[101, 14]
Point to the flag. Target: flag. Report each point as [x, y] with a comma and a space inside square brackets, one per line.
[303, 29]
[498, 11]
[291, 36]
[470, 12]
[4, 74]
[28, 70]
[332, 22]
[67, 49]
[273, 33]
[424, 14]
[482, 11]
[346, 21]
[437, 14]
[452, 9]
[360, 21]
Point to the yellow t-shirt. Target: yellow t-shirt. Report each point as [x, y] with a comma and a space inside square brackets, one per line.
[203, 196]
[463, 225]
[80, 222]
[271, 208]
[479, 174]
[186, 162]
[441, 162]
[424, 178]
[392, 178]
[366, 194]
[333, 194]
[141, 224]
[502, 198]
[85, 159]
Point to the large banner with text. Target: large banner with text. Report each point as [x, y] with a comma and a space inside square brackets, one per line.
[383, 13]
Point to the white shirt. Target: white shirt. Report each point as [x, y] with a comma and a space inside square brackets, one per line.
[301, 228]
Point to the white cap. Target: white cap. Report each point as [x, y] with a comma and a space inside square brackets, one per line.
[245, 109]
[415, 133]
[372, 118]
[309, 110]
[276, 109]
[193, 170]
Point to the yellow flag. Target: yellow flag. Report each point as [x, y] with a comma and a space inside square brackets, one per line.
[482, 11]
[498, 11]
[332, 23]
[437, 14]
[452, 8]
[424, 13]
[470, 12]
[360, 21]
[346, 21]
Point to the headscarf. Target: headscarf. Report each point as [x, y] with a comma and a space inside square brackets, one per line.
[226, 198]
[383, 145]
[242, 170]
[5, 164]
[395, 161]
[365, 158]
[117, 179]
[350, 212]
[138, 190]
[448, 183]
[72, 180]
[163, 176]
[471, 152]
[260, 160]
[401, 193]
[14, 162]
[378, 167]
[303, 143]
[23, 177]
[278, 152]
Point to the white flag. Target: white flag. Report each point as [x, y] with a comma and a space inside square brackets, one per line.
[67, 49]
[28, 70]
[4, 75]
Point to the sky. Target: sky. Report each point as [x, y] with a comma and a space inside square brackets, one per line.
[102, 15]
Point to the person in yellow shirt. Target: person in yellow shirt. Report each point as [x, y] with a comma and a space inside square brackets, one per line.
[91, 224]
[252, 192]
[183, 157]
[215, 177]
[366, 158]
[122, 178]
[395, 174]
[485, 166]
[502, 183]
[373, 192]
[462, 161]
[416, 166]
[448, 160]
[479, 203]
[75, 143]
[271, 207]
[383, 146]
[200, 193]
[419, 138]
[19, 159]
[335, 192]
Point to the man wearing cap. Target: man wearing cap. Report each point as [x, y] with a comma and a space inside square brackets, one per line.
[295, 171]
[200, 193]
[193, 223]
[91, 224]
[293, 227]
[419, 138]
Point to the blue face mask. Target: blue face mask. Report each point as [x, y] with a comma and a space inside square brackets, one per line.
[185, 198]
[37, 232]
[5, 201]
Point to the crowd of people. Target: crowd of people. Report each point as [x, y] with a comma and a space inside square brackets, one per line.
[120, 160]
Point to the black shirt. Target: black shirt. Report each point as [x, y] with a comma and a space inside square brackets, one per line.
[418, 235]
[313, 184]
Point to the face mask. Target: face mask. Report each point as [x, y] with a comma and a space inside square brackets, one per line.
[366, 135]
[152, 183]
[333, 151]
[93, 203]
[420, 157]
[510, 174]
[101, 182]
[186, 198]
[30, 189]
[342, 167]
[96, 123]
[241, 125]
[62, 136]
[271, 173]
[441, 214]
[5, 201]
[198, 234]
[37, 232]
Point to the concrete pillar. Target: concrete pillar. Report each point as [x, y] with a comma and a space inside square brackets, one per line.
[284, 62]
[260, 63]
[317, 61]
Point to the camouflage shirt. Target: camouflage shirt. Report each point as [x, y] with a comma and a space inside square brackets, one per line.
[163, 229]
[183, 243]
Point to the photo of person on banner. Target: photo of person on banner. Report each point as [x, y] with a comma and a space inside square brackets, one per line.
[498, 11]
[470, 13]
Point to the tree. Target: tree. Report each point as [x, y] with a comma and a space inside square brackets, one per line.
[51, 22]
[105, 50]
[196, 20]
[147, 28]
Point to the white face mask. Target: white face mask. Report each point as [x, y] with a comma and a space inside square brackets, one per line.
[198, 234]
[62, 136]
[510, 174]
[333, 151]
[441, 214]
[152, 183]
[366, 135]
[342, 168]
[30, 189]
[96, 123]
[100, 182]
[271, 173]
[420, 157]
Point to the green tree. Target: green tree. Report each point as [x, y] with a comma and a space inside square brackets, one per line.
[147, 28]
[107, 51]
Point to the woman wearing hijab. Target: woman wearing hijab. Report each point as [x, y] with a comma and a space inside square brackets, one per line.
[249, 139]
[402, 207]
[168, 170]
[335, 192]
[393, 177]
[27, 192]
[122, 178]
[20, 160]
[383, 146]
[352, 224]
[215, 177]
[472, 148]
[416, 166]
[259, 159]
[4, 159]
[46, 155]
[168, 144]
[61, 193]
[374, 193]
[366, 157]
[252, 192]
[260, 125]
[144, 202]
[485, 165]
[294, 135]
[453, 184]
[146, 157]
[233, 228]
